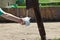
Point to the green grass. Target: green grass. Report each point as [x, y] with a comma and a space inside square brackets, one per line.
[50, 5]
[44, 3]
[48, 1]
[21, 6]
[56, 39]
[41, 6]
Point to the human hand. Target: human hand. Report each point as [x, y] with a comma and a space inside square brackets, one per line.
[21, 21]
[25, 21]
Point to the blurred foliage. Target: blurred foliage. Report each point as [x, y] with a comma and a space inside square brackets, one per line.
[56, 39]
[48, 1]
[42, 3]
[21, 2]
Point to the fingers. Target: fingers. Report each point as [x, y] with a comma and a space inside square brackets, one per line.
[21, 22]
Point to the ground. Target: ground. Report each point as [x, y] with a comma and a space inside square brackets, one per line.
[15, 31]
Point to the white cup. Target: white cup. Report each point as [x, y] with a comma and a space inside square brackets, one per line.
[27, 21]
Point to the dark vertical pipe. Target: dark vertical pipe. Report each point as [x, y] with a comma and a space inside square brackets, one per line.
[35, 5]
[39, 21]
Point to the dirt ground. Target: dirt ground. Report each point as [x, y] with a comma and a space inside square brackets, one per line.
[15, 31]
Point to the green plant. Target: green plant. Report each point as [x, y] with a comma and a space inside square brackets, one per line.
[56, 39]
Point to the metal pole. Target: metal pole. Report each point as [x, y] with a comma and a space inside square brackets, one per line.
[35, 5]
